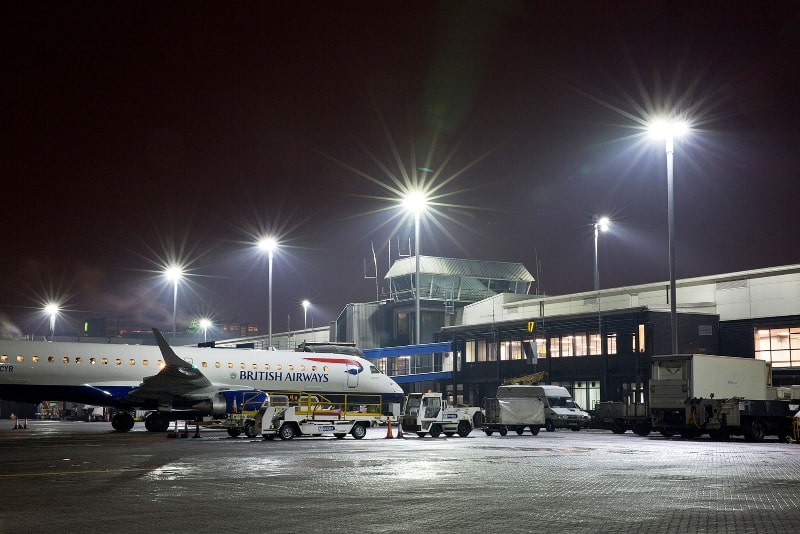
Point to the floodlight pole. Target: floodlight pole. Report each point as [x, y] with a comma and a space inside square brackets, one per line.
[418, 288]
[673, 315]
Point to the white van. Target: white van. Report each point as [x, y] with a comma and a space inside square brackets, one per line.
[560, 410]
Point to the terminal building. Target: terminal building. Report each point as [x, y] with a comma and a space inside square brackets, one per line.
[481, 326]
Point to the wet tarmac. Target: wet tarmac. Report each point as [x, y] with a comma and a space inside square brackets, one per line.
[83, 477]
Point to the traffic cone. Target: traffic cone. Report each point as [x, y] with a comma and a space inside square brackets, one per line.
[185, 433]
[400, 431]
[16, 424]
[235, 407]
[389, 430]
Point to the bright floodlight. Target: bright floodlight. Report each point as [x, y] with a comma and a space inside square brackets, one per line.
[603, 223]
[415, 202]
[268, 244]
[205, 324]
[51, 310]
[306, 304]
[664, 129]
[173, 273]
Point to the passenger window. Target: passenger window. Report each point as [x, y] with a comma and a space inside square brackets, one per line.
[118, 361]
[279, 367]
[145, 362]
[20, 358]
[92, 361]
[104, 361]
[35, 359]
[266, 367]
[132, 361]
[4, 358]
[325, 369]
[65, 359]
[291, 367]
[255, 367]
[217, 365]
[313, 368]
[51, 359]
[230, 365]
[242, 366]
[78, 360]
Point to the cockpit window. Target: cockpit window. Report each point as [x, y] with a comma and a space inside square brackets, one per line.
[374, 370]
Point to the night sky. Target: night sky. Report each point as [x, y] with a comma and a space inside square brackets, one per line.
[140, 133]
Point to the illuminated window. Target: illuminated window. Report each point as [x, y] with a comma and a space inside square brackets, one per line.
[160, 364]
[132, 361]
[302, 368]
[555, 347]
[581, 347]
[104, 361]
[204, 365]
[566, 346]
[35, 359]
[291, 367]
[255, 366]
[217, 365]
[279, 367]
[313, 368]
[612, 343]
[4, 358]
[242, 366]
[78, 360]
[92, 361]
[118, 361]
[50, 359]
[20, 358]
[325, 369]
[469, 351]
[266, 367]
[594, 344]
[230, 365]
[65, 359]
[779, 346]
[145, 362]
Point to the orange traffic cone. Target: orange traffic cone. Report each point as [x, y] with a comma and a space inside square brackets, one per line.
[389, 430]
[16, 424]
[400, 431]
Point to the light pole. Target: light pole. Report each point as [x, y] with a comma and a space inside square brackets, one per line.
[174, 275]
[52, 311]
[306, 304]
[669, 130]
[415, 202]
[269, 245]
[600, 225]
[205, 324]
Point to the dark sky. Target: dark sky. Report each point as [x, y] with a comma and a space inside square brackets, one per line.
[137, 133]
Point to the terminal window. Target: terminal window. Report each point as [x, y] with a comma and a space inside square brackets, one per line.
[779, 346]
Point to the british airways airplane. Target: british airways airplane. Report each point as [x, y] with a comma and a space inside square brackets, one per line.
[203, 381]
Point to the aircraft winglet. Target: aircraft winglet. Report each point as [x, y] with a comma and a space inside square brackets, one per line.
[170, 358]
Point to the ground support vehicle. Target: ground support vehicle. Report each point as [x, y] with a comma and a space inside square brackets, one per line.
[279, 418]
[696, 394]
[619, 417]
[512, 413]
[429, 413]
[365, 409]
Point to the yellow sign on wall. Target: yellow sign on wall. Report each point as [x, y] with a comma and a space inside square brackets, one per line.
[531, 326]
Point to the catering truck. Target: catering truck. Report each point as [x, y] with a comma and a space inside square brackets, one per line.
[515, 408]
[696, 394]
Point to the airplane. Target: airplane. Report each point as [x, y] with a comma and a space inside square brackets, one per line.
[171, 382]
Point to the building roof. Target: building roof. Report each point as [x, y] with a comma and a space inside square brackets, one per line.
[495, 270]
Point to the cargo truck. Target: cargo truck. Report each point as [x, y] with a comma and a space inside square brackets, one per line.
[515, 408]
[696, 394]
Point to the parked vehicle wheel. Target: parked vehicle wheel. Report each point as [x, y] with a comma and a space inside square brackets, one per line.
[422, 434]
[617, 427]
[449, 434]
[757, 431]
[436, 431]
[489, 432]
[519, 430]
[549, 426]
[358, 431]
[642, 429]
[667, 433]
[464, 429]
[286, 432]
[534, 430]
[234, 432]
[575, 428]
[339, 435]
[250, 429]
[269, 437]
[503, 431]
